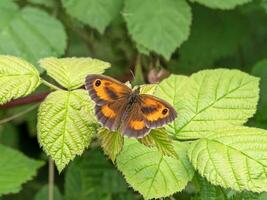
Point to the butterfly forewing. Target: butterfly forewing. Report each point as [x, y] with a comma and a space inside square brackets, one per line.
[103, 89]
[109, 114]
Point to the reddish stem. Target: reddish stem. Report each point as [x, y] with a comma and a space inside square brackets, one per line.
[25, 100]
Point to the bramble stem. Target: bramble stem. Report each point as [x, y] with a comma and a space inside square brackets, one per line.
[51, 177]
[35, 98]
[5, 120]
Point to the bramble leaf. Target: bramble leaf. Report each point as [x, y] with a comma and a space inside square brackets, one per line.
[168, 21]
[151, 173]
[148, 89]
[71, 72]
[12, 161]
[97, 13]
[65, 125]
[233, 158]
[260, 70]
[225, 4]
[18, 78]
[29, 32]
[93, 177]
[160, 139]
[171, 88]
[214, 99]
[111, 142]
[247, 195]
[208, 191]
[9, 135]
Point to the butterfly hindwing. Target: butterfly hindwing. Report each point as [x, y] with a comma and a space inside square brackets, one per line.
[156, 112]
[103, 89]
[134, 123]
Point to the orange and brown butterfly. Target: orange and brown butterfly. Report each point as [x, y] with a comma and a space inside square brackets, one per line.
[122, 109]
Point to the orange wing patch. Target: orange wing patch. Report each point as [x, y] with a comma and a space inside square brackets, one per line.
[108, 90]
[137, 125]
[103, 89]
[153, 109]
[158, 114]
[108, 112]
[156, 111]
[100, 91]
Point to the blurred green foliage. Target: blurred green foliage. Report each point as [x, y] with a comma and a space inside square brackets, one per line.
[177, 35]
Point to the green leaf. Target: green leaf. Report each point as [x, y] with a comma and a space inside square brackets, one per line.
[148, 89]
[29, 32]
[12, 161]
[9, 135]
[151, 173]
[65, 125]
[215, 99]
[96, 13]
[93, 177]
[43, 194]
[260, 70]
[208, 191]
[18, 78]
[246, 195]
[233, 158]
[158, 25]
[171, 88]
[225, 4]
[71, 72]
[224, 40]
[111, 142]
[160, 139]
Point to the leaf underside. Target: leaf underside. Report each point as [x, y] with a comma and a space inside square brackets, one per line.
[18, 78]
[233, 158]
[65, 125]
[111, 142]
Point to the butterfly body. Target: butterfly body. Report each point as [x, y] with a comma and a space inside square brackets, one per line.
[120, 108]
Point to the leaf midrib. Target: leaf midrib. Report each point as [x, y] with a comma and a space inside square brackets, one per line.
[216, 101]
[64, 126]
[153, 178]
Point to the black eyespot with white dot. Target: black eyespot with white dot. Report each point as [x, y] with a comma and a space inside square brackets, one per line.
[97, 83]
[164, 111]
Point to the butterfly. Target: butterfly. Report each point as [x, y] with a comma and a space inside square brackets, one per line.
[119, 108]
